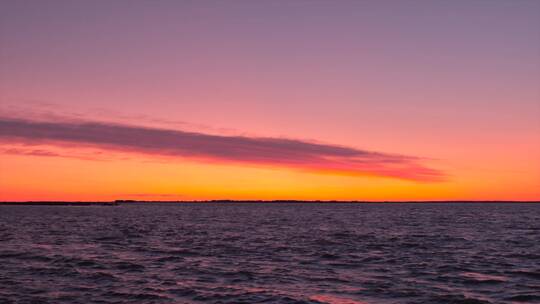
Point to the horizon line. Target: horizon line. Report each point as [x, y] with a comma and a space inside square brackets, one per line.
[129, 201]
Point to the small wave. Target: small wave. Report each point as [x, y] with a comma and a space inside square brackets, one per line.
[484, 278]
[529, 274]
[331, 299]
[130, 267]
[524, 298]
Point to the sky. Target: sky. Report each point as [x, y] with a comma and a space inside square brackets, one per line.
[196, 100]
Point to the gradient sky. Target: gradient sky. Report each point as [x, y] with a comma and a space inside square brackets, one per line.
[367, 100]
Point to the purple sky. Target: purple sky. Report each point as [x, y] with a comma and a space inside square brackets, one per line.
[457, 82]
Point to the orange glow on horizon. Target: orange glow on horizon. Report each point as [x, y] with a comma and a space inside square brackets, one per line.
[117, 177]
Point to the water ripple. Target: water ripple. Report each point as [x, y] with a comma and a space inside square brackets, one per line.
[274, 253]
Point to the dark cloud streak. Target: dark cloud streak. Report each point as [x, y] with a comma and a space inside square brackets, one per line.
[239, 149]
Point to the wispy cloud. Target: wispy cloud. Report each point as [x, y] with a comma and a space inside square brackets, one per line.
[32, 152]
[289, 153]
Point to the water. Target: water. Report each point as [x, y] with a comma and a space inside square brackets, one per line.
[271, 253]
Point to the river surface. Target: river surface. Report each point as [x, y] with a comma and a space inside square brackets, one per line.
[271, 253]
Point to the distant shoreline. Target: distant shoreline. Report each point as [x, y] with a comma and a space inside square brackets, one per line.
[128, 202]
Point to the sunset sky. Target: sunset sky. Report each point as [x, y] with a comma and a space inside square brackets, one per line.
[345, 100]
